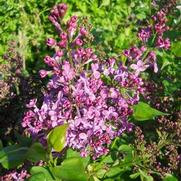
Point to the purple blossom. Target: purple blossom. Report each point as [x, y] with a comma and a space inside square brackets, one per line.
[139, 67]
[134, 53]
[62, 8]
[15, 175]
[43, 73]
[163, 43]
[78, 42]
[51, 42]
[151, 59]
[83, 31]
[144, 34]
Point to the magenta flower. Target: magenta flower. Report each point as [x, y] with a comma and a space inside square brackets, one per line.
[151, 59]
[51, 42]
[83, 31]
[67, 72]
[78, 42]
[163, 43]
[43, 73]
[62, 8]
[139, 67]
[144, 34]
[134, 53]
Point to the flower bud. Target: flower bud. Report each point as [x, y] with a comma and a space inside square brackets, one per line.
[43, 73]
[51, 42]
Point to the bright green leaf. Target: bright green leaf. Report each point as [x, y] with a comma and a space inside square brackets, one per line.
[105, 3]
[169, 177]
[38, 176]
[135, 175]
[175, 48]
[74, 154]
[143, 111]
[57, 137]
[72, 169]
[107, 159]
[113, 171]
[128, 152]
[40, 172]
[100, 173]
[125, 148]
[144, 176]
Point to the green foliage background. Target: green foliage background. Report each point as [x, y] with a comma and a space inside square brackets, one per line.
[26, 22]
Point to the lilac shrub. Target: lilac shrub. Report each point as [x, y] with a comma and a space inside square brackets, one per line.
[93, 96]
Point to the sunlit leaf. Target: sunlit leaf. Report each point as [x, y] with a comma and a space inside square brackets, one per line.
[71, 169]
[57, 137]
[143, 111]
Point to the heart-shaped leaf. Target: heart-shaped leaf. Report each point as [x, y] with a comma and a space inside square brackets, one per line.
[57, 137]
[143, 112]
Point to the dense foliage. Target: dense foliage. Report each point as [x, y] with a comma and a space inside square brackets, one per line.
[90, 90]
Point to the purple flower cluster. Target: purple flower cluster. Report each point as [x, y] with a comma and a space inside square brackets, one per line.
[56, 13]
[93, 96]
[160, 27]
[141, 58]
[15, 175]
[144, 34]
[157, 29]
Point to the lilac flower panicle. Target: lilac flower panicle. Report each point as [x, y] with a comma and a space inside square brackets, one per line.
[137, 60]
[78, 94]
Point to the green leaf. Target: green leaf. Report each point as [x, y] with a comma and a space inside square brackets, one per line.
[100, 173]
[36, 153]
[94, 178]
[41, 174]
[108, 159]
[141, 15]
[175, 48]
[113, 171]
[144, 176]
[169, 177]
[143, 111]
[125, 148]
[72, 169]
[135, 175]
[74, 154]
[38, 176]
[128, 151]
[12, 156]
[105, 3]
[57, 137]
